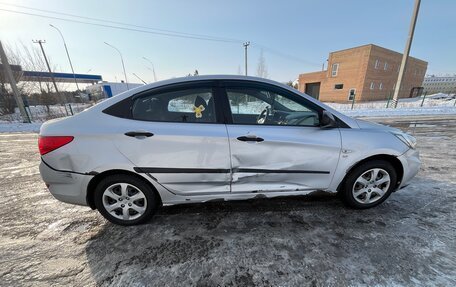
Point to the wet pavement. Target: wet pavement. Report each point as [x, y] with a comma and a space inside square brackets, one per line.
[299, 241]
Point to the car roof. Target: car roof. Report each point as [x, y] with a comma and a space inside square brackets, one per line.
[187, 79]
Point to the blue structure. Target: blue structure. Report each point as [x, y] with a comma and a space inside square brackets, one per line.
[108, 91]
[33, 76]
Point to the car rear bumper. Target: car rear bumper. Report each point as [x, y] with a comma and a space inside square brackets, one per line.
[411, 163]
[65, 186]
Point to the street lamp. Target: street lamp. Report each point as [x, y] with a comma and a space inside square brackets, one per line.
[153, 68]
[68, 55]
[123, 65]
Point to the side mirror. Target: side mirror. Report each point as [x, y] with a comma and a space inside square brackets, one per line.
[327, 120]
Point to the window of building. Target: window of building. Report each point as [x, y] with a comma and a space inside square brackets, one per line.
[335, 69]
[338, 86]
[372, 86]
[377, 64]
[380, 86]
[385, 66]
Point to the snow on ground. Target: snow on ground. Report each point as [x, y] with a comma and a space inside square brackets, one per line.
[14, 127]
[44, 113]
[39, 114]
[437, 104]
[399, 112]
[435, 100]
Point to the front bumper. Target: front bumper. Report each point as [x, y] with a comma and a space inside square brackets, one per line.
[65, 186]
[411, 163]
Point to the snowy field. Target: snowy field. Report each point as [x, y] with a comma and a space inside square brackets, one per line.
[409, 240]
[39, 114]
[438, 104]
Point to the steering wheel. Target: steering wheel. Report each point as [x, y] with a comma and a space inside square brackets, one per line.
[263, 116]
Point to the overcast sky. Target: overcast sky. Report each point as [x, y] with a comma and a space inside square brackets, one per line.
[296, 36]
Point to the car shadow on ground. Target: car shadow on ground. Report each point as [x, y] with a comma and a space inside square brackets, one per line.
[293, 240]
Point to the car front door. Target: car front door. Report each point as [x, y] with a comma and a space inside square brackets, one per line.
[275, 140]
[175, 135]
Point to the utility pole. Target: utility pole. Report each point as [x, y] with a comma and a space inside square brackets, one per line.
[139, 78]
[121, 59]
[246, 44]
[68, 55]
[406, 52]
[10, 76]
[40, 42]
[153, 68]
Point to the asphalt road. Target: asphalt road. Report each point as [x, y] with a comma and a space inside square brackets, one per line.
[313, 240]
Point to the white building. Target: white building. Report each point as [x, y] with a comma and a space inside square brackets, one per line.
[103, 90]
[433, 85]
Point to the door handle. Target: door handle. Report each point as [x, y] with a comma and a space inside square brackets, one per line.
[139, 134]
[250, 139]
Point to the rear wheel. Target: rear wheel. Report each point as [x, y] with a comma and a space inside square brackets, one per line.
[125, 199]
[369, 184]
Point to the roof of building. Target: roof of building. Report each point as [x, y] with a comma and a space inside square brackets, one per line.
[377, 47]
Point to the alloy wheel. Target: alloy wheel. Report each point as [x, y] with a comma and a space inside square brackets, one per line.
[124, 201]
[371, 186]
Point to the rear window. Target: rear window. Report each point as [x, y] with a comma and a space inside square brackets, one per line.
[188, 105]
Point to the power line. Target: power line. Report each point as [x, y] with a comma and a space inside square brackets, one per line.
[120, 23]
[116, 27]
[145, 29]
[278, 53]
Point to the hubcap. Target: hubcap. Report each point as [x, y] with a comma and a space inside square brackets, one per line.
[124, 201]
[371, 186]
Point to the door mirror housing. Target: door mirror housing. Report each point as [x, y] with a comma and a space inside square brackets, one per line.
[327, 120]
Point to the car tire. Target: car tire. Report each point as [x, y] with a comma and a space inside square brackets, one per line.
[361, 190]
[125, 199]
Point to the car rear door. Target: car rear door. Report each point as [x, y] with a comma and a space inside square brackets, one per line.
[175, 134]
[287, 151]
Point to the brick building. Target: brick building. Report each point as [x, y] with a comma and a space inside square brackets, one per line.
[370, 72]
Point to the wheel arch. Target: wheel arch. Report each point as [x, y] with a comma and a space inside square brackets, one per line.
[97, 178]
[395, 162]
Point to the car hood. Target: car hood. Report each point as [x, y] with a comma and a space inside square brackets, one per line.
[374, 126]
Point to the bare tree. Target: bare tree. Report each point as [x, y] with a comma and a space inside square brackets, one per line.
[36, 93]
[292, 84]
[262, 69]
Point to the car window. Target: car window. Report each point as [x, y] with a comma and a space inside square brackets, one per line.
[263, 107]
[188, 105]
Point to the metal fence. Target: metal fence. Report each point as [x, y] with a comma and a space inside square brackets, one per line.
[384, 100]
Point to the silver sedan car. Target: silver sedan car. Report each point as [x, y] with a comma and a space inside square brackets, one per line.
[204, 138]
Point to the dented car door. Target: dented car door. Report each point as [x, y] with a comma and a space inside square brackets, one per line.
[276, 142]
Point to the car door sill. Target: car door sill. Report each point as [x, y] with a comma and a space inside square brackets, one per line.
[235, 196]
[218, 194]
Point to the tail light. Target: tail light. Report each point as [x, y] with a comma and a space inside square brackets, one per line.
[47, 144]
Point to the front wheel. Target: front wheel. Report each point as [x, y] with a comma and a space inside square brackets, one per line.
[369, 184]
[125, 199]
